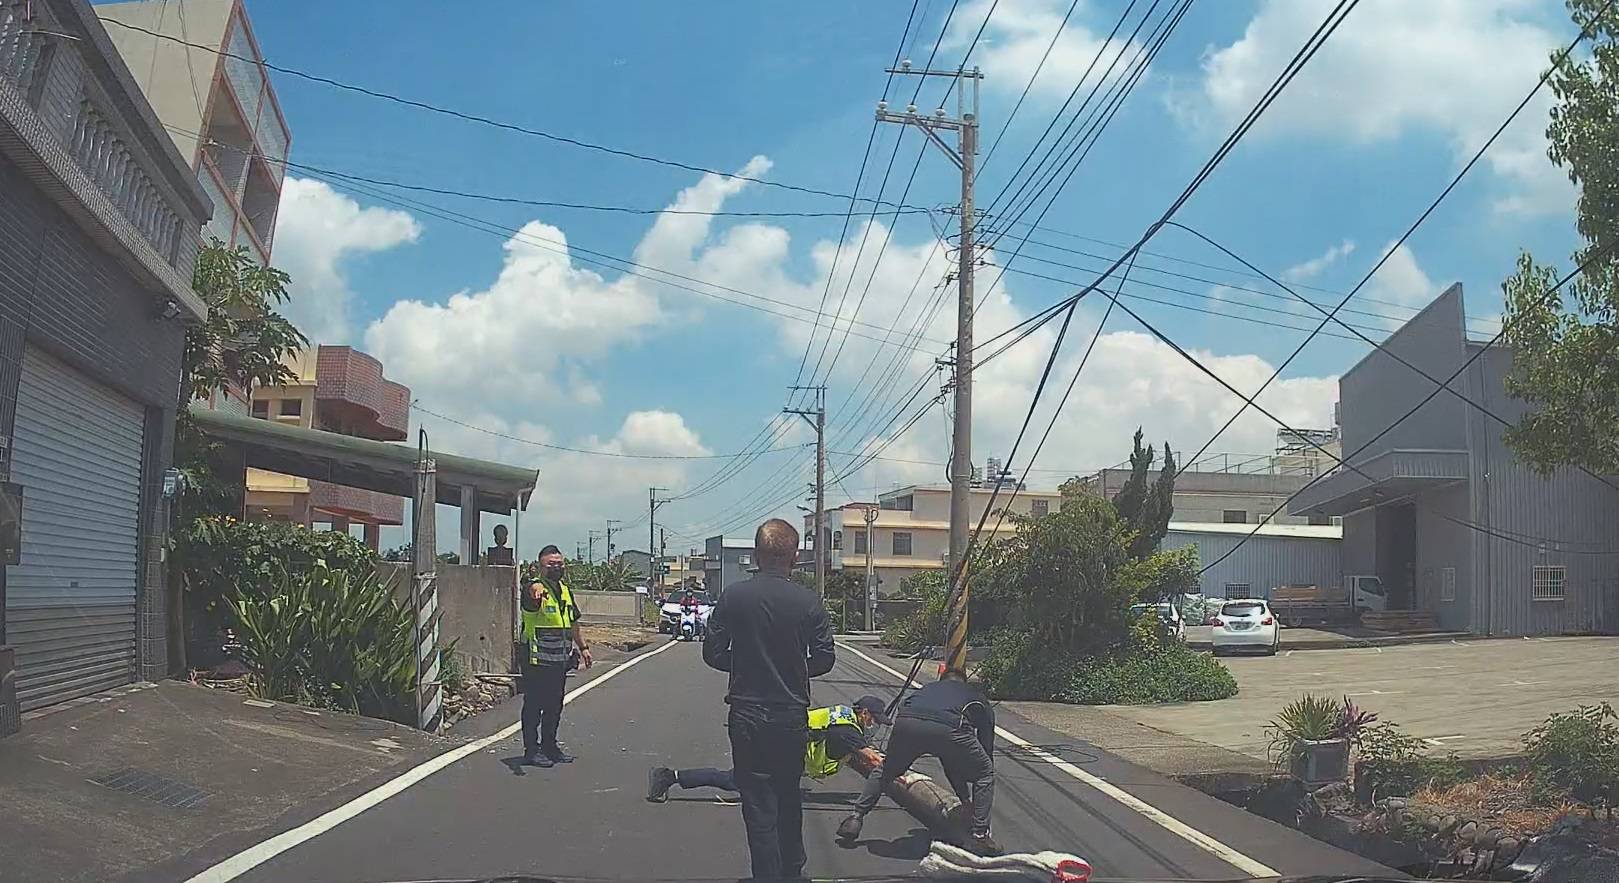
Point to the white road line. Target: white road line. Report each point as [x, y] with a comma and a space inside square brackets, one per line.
[1232, 857]
[258, 854]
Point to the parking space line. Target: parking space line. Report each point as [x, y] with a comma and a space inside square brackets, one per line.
[1221, 851]
[259, 853]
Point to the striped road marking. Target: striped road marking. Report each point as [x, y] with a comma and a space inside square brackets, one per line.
[1232, 857]
[258, 854]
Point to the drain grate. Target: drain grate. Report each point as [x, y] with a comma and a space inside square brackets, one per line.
[151, 786]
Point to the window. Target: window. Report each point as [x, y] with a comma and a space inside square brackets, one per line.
[837, 539]
[1321, 520]
[261, 409]
[744, 560]
[1548, 583]
[1038, 508]
[1447, 584]
[902, 542]
[1237, 590]
[859, 539]
[1234, 516]
[292, 407]
[900, 504]
[1252, 608]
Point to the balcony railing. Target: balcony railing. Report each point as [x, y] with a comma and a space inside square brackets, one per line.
[56, 95]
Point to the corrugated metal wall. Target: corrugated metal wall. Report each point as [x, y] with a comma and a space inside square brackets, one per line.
[1442, 543]
[1577, 513]
[1262, 562]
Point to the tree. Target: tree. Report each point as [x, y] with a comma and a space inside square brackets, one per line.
[1565, 360]
[1132, 497]
[1152, 524]
[243, 343]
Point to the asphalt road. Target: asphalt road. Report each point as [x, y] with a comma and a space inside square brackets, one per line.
[484, 815]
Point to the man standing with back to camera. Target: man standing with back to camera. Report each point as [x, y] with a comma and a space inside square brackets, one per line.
[772, 635]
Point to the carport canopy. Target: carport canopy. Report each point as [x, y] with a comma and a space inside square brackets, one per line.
[363, 463]
[1389, 476]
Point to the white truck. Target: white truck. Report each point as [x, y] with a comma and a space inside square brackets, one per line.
[1298, 605]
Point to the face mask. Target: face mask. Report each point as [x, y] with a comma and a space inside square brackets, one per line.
[552, 571]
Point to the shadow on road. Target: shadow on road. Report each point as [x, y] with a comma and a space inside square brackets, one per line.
[515, 764]
[912, 847]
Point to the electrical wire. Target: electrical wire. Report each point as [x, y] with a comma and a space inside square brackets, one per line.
[1044, 57]
[595, 453]
[477, 118]
[1426, 213]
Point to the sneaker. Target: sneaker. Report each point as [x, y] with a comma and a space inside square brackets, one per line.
[556, 755]
[535, 758]
[659, 780]
[849, 828]
[983, 844]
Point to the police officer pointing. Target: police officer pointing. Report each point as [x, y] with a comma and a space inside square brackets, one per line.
[549, 632]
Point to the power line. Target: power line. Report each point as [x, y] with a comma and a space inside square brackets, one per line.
[1426, 213]
[1467, 363]
[477, 118]
[1044, 56]
[416, 406]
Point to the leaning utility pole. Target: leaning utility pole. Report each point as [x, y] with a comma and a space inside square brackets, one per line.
[820, 479]
[965, 125]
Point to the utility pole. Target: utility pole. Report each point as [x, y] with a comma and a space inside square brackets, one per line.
[578, 551]
[819, 422]
[965, 125]
[610, 523]
[591, 536]
[652, 504]
[871, 570]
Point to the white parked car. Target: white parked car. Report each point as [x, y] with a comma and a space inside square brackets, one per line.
[1246, 623]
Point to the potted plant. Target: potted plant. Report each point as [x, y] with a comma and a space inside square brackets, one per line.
[1312, 736]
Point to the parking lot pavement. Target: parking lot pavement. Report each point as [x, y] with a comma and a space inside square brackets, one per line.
[1476, 698]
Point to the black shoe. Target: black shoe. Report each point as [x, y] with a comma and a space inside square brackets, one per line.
[659, 780]
[535, 758]
[849, 828]
[556, 755]
[985, 845]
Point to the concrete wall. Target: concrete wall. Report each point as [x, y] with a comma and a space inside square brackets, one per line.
[608, 607]
[477, 600]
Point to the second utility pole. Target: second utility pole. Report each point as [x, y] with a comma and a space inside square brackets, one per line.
[820, 480]
[965, 125]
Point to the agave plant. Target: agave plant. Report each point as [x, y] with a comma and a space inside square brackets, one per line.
[1309, 718]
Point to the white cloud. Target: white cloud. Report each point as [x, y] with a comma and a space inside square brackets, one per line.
[317, 229]
[1452, 68]
[1307, 270]
[1401, 280]
[1017, 36]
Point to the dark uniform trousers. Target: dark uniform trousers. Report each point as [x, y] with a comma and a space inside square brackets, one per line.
[767, 749]
[971, 771]
[543, 686]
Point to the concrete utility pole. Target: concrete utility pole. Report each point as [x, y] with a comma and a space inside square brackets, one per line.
[652, 504]
[965, 125]
[591, 536]
[820, 479]
[610, 523]
[871, 570]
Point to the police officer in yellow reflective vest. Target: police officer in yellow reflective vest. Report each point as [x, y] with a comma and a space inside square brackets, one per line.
[836, 733]
[549, 631]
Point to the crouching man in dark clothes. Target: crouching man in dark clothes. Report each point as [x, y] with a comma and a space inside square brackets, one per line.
[951, 720]
[772, 635]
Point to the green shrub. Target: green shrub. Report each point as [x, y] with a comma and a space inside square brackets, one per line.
[1576, 754]
[924, 625]
[1390, 761]
[1020, 667]
[224, 558]
[1312, 718]
[325, 638]
[1177, 674]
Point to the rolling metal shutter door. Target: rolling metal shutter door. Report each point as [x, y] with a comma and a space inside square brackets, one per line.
[70, 603]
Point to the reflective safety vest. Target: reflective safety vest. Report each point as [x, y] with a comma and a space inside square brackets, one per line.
[816, 764]
[545, 630]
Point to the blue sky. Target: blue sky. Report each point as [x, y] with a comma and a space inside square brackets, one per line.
[516, 338]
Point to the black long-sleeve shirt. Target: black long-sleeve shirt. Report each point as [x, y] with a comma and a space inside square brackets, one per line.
[772, 635]
[957, 704]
